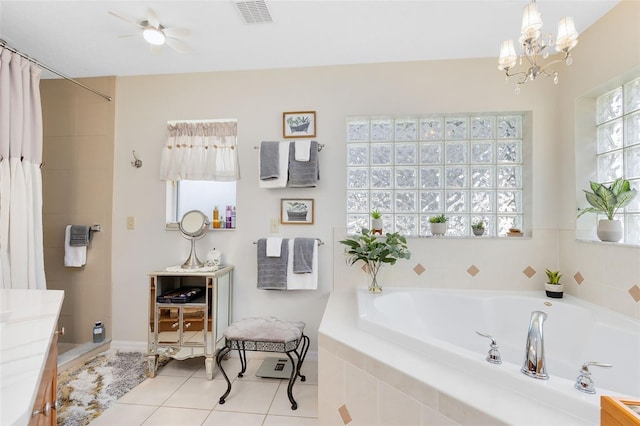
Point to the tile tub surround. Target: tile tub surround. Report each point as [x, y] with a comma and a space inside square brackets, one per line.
[24, 347]
[358, 371]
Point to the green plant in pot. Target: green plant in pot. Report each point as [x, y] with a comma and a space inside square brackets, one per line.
[438, 224]
[552, 287]
[376, 222]
[478, 228]
[375, 252]
[608, 200]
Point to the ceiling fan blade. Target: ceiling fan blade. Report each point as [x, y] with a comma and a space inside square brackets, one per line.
[152, 18]
[177, 45]
[130, 21]
[177, 32]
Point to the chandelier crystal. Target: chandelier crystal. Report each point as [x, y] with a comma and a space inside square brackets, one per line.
[535, 47]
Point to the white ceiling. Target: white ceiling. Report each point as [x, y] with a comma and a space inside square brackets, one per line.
[81, 39]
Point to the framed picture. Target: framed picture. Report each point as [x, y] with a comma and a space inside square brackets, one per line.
[296, 211]
[301, 124]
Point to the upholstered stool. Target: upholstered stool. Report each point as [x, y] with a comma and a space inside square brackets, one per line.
[266, 334]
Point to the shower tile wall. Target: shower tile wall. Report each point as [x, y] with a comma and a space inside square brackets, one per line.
[77, 189]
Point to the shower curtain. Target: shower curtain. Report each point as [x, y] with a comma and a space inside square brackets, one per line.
[21, 245]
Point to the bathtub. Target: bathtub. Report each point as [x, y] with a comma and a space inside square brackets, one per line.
[441, 325]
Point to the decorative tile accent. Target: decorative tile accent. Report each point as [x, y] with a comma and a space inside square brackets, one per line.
[578, 277]
[344, 414]
[473, 270]
[529, 271]
[419, 269]
[635, 293]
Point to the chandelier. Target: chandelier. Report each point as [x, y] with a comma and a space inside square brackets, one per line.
[535, 47]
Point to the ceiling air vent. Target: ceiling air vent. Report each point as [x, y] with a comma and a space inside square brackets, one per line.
[253, 12]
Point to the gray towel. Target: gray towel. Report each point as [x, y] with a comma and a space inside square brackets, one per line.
[79, 235]
[269, 160]
[272, 271]
[304, 174]
[303, 255]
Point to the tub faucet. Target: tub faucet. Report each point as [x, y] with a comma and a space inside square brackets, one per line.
[534, 364]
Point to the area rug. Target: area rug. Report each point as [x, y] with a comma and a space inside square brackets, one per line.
[86, 390]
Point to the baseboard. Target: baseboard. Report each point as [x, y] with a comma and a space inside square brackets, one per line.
[137, 346]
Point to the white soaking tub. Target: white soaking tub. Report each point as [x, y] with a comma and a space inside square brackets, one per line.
[441, 325]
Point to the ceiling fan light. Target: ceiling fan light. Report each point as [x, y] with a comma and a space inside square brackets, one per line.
[153, 36]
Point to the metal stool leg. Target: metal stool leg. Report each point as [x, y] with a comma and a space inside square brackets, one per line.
[292, 380]
[302, 355]
[243, 358]
[221, 353]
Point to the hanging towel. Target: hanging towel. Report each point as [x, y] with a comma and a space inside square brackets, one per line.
[303, 255]
[303, 149]
[269, 160]
[304, 174]
[283, 167]
[272, 271]
[79, 235]
[303, 281]
[74, 257]
[274, 245]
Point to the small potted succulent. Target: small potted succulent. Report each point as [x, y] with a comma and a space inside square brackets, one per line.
[478, 228]
[438, 224]
[552, 287]
[376, 222]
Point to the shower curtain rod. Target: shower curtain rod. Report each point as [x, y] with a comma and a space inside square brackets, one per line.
[40, 64]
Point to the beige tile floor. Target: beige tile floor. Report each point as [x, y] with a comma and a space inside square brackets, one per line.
[180, 395]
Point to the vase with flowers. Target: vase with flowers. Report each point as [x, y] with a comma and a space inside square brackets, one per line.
[375, 252]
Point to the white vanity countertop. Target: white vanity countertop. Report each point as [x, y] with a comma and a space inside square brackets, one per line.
[28, 320]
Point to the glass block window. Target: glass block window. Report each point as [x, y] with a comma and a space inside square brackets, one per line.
[618, 147]
[467, 166]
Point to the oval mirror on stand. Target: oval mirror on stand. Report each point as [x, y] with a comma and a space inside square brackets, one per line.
[193, 225]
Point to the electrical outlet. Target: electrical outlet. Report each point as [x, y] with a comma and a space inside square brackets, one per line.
[131, 223]
[274, 226]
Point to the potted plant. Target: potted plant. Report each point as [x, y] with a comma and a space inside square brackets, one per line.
[478, 228]
[376, 222]
[375, 251]
[438, 224]
[607, 200]
[553, 288]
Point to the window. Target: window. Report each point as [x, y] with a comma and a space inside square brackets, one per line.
[203, 195]
[618, 146]
[467, 166]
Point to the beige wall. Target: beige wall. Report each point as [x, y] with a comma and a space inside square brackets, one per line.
[78, 187]
[604, 273]
[258, 99]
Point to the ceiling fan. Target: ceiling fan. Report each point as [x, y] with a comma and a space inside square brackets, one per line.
[157, 34]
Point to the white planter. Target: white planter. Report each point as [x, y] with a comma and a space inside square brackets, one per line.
[554, 291]
[609, 230]
[376, 225]
[438, 228]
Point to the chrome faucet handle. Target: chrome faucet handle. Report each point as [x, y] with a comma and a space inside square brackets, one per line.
[584, 383]
[494, 354]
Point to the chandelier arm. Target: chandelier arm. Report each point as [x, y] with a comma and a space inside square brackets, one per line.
[521, 80]
[557, 61]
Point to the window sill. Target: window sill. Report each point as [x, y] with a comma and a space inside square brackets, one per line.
[608, 243]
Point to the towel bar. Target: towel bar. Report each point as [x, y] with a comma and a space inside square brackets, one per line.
[320, 146]
[319, 241]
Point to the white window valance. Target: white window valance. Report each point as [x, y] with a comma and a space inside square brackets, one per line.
[200, 151]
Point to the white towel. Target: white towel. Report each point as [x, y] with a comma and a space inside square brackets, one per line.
[74, 257]
[302, 281]
[274, 246]
[281, 181]
[303, 150]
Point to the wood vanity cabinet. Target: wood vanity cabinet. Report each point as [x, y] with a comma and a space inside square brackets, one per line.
[44, 411]
[619, 411]
[188, 312]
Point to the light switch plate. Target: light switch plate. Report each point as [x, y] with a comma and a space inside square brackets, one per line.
[274, 226]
